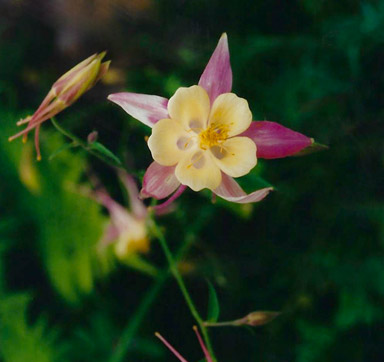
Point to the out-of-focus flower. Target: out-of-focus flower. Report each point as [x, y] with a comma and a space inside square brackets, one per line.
[203, 136]
[127, 230]
[178, 355]
[64, 92]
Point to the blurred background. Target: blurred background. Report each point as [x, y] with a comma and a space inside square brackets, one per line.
[313, 249]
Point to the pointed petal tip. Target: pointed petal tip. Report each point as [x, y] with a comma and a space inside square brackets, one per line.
[102, 54]
[106, 64]
[274, 140]
[217, 75]
[143, 195]
[231, 191]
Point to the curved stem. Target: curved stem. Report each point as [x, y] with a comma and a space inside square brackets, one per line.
[141, 311]
[79, 142]
[173, 267]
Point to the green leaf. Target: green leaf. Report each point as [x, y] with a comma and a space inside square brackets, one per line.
[64, 147]
[105, 152]
[213, 305]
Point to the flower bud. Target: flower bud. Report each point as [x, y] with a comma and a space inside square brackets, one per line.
[64, 92]
[258, 318]
[253, 319]
[79, 79]
[92, 137]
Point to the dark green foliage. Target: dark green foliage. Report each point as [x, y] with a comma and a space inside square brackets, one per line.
[313, 249]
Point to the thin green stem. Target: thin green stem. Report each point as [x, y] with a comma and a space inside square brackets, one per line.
[146, 303]
[221, 324]
[173, 267]
[67, 133]
[79, 142]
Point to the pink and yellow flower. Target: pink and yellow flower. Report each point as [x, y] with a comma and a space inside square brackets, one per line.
[64, 92]
[126, 230]
[204, 136]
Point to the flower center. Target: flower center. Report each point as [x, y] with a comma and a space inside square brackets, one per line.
[214, 135]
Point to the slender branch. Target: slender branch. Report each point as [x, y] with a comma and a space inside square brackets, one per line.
[221, 324]
[146, 303]
[83, 144]
[173, 267]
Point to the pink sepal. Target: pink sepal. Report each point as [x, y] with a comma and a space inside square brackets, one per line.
[217, 76]
[137, 206]
[159, 181]
[146, 108]
[166, 206]
[231, 191]
[274, 140]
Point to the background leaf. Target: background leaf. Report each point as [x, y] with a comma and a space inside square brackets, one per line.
[213, 304]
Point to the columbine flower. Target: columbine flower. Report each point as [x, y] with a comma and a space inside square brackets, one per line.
[64, 92]
[126, 229]
[178, 355]
[204, 136]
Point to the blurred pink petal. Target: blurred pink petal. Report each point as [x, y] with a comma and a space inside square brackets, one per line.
[276, 141]
[111, 234]
[146, 108]
[121, 218]
[217, 75]
[137, 206]
[159, 181]
[230, 190]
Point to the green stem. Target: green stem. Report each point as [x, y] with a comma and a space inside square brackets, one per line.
[79, 142]
[173, 267]
[222, 324]
[149, 298]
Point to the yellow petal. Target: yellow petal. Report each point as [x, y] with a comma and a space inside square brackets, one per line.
[169, 142]
[198, 171]
[236, 156]
[232, 112]
[190, 106]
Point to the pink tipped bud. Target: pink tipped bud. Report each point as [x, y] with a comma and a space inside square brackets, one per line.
[64, 92]
[81, 78]
[256, 319]
[92, 137]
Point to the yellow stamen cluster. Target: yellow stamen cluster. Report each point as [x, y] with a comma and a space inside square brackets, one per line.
[214, 135]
